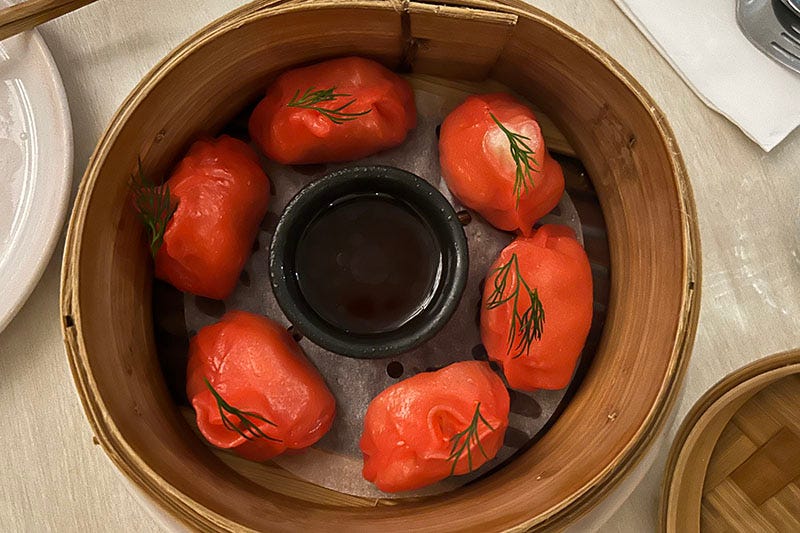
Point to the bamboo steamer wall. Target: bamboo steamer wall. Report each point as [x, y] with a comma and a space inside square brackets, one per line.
[616, 130]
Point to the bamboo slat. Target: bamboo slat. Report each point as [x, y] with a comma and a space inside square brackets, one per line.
[29, 14]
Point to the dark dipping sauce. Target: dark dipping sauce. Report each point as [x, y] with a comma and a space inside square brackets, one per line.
[368, 264]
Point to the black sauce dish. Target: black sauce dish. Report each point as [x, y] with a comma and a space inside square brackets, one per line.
[369, 262]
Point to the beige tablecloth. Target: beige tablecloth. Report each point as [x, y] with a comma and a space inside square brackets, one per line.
[748, 202]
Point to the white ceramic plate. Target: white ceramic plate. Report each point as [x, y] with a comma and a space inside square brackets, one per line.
[35, 165]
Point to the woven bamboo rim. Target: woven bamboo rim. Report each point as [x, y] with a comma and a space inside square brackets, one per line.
[199, 515]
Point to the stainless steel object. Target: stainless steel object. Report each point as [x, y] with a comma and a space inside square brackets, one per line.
[794, 5]
[773, 26]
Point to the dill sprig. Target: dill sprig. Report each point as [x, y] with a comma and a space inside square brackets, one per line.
[245, 427]
[528, 324]
[311, 98]
[523, 157]
[463, 440]
[154, 205]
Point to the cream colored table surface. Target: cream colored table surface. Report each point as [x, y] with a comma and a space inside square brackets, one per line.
[748, 205]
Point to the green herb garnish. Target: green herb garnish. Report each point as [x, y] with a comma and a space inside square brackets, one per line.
[463, 440]
[154, 205]
[528, 324]
[311, 98]
[523, 157]
[245, 427]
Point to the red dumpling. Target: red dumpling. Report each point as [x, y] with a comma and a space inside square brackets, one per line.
[433, 425]
[337, 110]
[222, 194]
[249, 370]
[537, 308]
[494, 161]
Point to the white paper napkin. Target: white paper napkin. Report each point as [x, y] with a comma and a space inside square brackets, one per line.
[703, 43]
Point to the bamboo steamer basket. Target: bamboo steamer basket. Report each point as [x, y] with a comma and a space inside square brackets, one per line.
[735, 464]
[611, 123]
